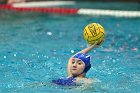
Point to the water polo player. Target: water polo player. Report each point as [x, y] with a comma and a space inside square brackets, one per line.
[78, 66]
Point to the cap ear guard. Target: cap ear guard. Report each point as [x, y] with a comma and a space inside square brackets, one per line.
[87, 69]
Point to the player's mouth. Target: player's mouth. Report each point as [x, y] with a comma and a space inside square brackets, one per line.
[74, 69]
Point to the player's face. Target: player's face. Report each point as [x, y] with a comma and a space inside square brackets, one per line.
[77, 66]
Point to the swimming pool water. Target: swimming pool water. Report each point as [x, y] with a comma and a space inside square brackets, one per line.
[35, 48]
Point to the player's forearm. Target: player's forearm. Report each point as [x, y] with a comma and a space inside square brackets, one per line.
[88, 49]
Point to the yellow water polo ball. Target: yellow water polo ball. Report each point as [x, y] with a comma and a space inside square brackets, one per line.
[94, 32]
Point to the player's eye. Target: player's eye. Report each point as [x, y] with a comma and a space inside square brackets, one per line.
[79, 63]
[73, 61]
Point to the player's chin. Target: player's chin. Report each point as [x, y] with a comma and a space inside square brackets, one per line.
[74, 72]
